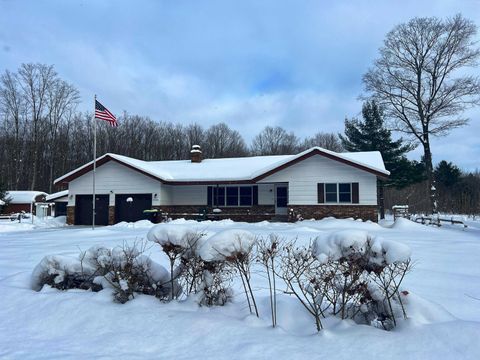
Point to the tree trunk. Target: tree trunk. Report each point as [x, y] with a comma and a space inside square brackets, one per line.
[381, 198]
[427, 158]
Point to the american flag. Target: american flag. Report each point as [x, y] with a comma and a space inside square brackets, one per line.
[102, 113]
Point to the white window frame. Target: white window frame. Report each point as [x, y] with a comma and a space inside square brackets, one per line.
[337, 193]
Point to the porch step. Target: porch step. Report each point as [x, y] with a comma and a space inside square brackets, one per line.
[279, 218]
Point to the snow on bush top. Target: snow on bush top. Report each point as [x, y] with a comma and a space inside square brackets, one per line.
[226, 243]
[174, 234]
[58, 266]
[156, 272]
[346, 243]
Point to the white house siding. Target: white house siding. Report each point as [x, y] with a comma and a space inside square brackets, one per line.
[188, 195]
[266, 194]
[165, 195]
[115, 177]
[304, 176]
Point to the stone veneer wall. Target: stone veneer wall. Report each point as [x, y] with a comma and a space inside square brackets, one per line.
[70, 215]
[255, 213]
[364, 212]
[111, 215]
[248, 214]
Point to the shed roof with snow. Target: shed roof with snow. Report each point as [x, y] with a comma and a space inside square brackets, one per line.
[24, 197]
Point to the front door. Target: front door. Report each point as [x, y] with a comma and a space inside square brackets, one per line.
[281, 199]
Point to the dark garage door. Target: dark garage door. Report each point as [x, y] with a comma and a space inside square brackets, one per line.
[60, 208]
[129, 207]
[83, 210]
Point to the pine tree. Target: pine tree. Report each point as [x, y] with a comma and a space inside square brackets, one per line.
[4, 199]
[371, 135]
[447, 174]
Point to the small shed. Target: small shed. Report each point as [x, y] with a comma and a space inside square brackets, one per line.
[24, 201]
[59, 200]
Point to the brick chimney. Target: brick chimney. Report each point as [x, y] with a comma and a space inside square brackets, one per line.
[196, 154]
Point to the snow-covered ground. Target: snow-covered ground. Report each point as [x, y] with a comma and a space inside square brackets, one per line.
[444, 305]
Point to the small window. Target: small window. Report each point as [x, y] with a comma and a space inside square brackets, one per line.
[345, 193]
[331, 193]
[232, 196]
[245, 196]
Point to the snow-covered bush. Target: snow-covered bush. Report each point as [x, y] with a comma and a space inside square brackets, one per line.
[63, 272]
[233, 246]
[304, 276]
[267, 252]
[362, 276]
[125, 269]
[180, 244]
[349, 274]
[215, 284]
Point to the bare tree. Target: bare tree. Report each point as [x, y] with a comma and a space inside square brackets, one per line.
[12, 107]
[62, 100]
[35, 81]
[418, 82]
[274, 141]
[329, 141]
[221, 142]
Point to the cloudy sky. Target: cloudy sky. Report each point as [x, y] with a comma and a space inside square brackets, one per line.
[297, 64]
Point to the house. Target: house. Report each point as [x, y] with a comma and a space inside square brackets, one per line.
[24, 201]
[313, 184]
[59, 200]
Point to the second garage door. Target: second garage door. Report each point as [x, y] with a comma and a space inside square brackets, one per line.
[130, 207]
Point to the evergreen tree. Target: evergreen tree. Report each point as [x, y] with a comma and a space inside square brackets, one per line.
[371, 135]
[4, 199]
[447, 174]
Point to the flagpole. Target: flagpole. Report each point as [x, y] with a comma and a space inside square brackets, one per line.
[94, 160]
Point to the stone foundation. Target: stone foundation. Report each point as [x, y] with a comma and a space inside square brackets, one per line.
[197, 212]
[111, 215]
[71, 215]
[254, 213]
[364, 212]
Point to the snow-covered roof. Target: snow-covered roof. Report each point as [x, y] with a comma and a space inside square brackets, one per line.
[23, 197]
[57, 196]
[2, 202]
[232, 169]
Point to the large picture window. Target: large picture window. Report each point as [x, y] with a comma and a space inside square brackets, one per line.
[232, 196]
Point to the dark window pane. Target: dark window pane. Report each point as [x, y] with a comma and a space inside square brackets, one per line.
[245, 196]
[219, 196]
[344, 188]
[331, 197]
[282, 196]
[331, 188]
[344, 193]
[330, 192]
[232, 196]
